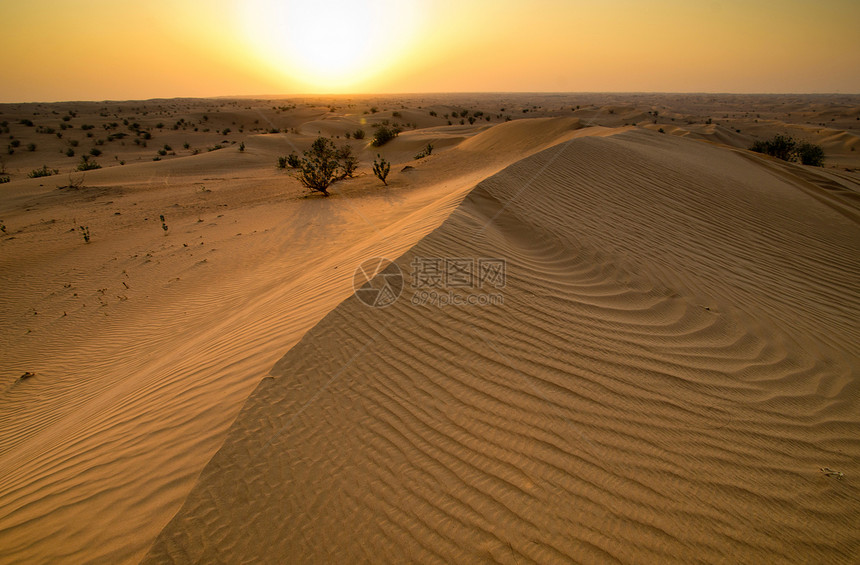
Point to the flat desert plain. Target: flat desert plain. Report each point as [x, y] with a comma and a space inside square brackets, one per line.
[665, 370]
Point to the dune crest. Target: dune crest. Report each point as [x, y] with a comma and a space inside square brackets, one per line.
[673, 363]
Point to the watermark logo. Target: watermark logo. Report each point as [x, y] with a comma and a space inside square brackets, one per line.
[378, 282]
[437, 281]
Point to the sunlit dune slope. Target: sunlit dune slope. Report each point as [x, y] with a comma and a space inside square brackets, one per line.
[673, 363]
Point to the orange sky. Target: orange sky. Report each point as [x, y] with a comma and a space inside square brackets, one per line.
[115, 49]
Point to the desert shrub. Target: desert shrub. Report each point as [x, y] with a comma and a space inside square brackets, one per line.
[159, 125]
[810, 154]
[433, 113]
[282, 162]
[319, 165]
[381, 168]
[162, 152]
[31, 147]
[428, 150]
[73, 142]
[43, 172]
[87, 165]
[4, 179]
[293, 160]
[786, 148]
[70, 152]
[384, 134]
[95, 152]
[347, 162]
[28, 123]
[242, 146]
[86, 127]
[358, 134]
[15, 143]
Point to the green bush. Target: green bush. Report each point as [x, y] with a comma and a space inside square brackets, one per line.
[810, 154]
[319, 166]
[381, 168]
[293, 161]
[87, 165]
[384, 134]
[43, 172]
[786, 148]
[347, 162]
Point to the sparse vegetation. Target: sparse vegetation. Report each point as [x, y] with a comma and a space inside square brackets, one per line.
[347, 162]
[74, 183]
[293, 160]
[384, 134]
[242, 146]
[786, 148]
[85, 231]
[358, 134]
[43, 172]
[381, 168]
[428, 149]
[163, 223]
[319, 166]
[87, 165]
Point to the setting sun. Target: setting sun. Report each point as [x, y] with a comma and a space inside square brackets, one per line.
[328, 45]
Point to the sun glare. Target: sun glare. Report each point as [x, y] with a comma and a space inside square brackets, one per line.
[330, 45]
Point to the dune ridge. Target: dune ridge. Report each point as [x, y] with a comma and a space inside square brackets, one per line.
[674, 361]
[150, 342]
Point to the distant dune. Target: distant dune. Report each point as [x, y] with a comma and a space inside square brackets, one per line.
[669, 366]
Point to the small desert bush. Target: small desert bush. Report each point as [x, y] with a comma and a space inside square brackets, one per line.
[381, 168]
[384, 134]
[810, 154]
[43, 172]
[347, 162]
[4, 179]
[293, 160]
[319, 165]
[428, 150]
[87, 165]
[786, 148]
[324, 164]
[358, 134]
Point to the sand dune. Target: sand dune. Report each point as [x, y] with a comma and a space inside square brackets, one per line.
[145, 345]
[688, 308]
[674, 362]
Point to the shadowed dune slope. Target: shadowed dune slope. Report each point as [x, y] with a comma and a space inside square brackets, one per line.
[674, 361]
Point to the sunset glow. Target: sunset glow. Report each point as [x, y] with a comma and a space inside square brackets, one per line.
[56, 50]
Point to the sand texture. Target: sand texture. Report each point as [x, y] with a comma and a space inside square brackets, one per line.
[672, 360]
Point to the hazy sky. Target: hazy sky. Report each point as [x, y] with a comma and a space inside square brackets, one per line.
[115, 49]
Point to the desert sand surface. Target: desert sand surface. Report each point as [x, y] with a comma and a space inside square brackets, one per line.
[672, 362]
